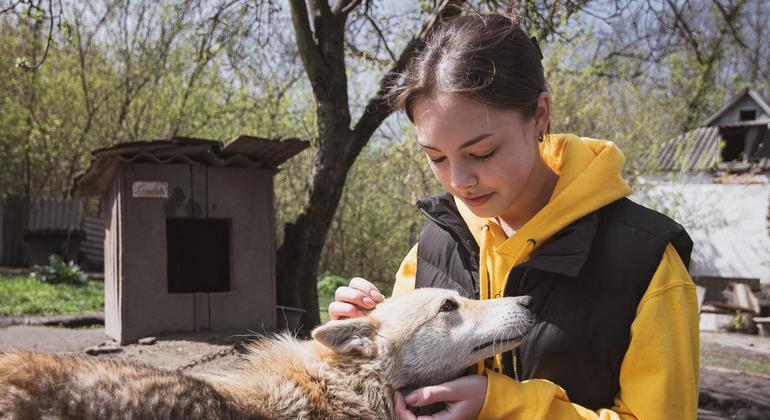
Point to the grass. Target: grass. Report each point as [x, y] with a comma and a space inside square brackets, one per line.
[715, 355]
[22, 295]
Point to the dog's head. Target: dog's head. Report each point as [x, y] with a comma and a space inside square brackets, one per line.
[429, 336]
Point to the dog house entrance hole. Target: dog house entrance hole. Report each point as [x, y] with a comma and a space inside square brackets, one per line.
[198, 255]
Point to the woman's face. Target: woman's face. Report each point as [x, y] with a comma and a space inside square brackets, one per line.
[482, 155]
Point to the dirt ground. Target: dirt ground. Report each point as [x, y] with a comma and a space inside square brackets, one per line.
[735, 369]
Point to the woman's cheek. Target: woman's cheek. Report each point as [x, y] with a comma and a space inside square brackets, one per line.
[441, 175]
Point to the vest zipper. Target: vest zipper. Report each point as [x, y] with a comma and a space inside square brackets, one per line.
[516, 355]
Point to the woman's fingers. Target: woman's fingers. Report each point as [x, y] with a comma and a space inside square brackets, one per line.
[367, 288]
[354, 297]
[339, 310]
[352, 301]
[430, 395]
[402, 412]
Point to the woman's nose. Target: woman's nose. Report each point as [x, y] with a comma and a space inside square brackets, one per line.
[462, 179]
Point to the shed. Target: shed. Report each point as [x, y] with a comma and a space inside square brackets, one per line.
[735, 139]
[189, 233]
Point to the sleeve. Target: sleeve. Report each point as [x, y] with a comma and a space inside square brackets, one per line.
[406, 273]
[659, 373]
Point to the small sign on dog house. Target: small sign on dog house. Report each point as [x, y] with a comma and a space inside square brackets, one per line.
[149, 189]
[189, 233]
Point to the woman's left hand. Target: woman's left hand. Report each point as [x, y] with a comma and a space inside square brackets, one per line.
[464, 398]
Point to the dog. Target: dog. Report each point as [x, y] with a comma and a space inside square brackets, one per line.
[349, 370]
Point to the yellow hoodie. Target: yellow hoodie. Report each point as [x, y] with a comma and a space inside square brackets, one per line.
[659, 374]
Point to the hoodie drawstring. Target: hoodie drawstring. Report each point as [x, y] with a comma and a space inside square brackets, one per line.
[485, 286]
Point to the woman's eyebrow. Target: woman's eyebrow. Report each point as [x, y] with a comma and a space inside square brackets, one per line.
[468, 143]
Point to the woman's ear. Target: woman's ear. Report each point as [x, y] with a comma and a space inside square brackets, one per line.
[542, 112]
[352, 335]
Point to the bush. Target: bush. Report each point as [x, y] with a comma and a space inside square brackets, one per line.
[329, 283]
[59, 271]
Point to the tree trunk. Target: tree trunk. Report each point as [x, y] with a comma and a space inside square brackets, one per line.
[322, 51]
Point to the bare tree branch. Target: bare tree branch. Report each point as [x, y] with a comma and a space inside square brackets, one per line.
[344, 6]
[377, 108]
[306, 41]
[380, 35]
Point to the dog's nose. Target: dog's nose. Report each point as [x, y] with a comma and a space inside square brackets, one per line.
[525, 301]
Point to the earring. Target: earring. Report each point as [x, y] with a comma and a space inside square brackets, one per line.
[540, 138]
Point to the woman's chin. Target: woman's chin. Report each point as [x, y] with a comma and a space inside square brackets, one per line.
[486, 211]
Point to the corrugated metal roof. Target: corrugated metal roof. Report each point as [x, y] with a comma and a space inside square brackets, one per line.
[242, 152]
[276, 152]
[51, 216]
[696, 150]
[93, 246]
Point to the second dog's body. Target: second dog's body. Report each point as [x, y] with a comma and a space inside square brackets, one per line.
[349, 371]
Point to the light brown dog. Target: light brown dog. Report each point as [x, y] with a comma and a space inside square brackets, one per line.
[349, 370]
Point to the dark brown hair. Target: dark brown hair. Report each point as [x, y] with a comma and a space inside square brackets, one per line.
[488, 58]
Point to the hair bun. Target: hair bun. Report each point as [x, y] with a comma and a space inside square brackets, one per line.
[511, 12]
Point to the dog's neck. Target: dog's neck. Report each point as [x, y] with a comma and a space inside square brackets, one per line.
[319, 382]
[372, 379]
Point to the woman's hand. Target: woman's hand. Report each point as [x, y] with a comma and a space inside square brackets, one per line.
[464, 398]
[352, 301]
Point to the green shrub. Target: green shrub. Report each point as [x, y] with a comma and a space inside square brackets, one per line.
[329, 283]
[59, 271]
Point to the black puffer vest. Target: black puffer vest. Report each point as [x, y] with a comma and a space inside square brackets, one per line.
[586, 282]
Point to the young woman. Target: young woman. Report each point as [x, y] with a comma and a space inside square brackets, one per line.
[530, 213]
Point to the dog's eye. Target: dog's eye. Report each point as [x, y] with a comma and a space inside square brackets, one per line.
[448, 306]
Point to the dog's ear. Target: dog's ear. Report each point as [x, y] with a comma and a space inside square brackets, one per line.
[352, 335]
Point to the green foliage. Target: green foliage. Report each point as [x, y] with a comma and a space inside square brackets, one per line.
[377, 221]
[98, 87]
[740, 322]
[27, 296]
[329, 283]
[327, 286]
[59, 271]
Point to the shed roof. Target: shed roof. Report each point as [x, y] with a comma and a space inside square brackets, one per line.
[696, 149]
[55, 217]
[241, 152]
[756, 97]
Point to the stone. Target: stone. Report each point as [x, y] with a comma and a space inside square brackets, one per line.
[146, 341]
[97, 350]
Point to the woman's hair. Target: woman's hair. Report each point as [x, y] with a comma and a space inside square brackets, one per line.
[488, 58]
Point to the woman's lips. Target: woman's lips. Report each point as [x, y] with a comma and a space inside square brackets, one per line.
[477, 201]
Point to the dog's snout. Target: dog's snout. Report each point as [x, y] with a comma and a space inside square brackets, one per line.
[525, 301]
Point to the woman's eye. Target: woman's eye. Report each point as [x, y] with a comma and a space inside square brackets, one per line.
[437, 160]
[448, 306]
[485, 157]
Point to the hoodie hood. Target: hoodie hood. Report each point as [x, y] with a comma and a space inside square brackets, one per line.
[590, 177]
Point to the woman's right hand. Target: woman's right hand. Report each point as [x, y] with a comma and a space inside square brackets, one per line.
[354, 300]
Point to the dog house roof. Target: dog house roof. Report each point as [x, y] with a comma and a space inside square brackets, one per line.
[240, 152]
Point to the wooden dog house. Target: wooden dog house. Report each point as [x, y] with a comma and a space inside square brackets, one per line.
[189, 233]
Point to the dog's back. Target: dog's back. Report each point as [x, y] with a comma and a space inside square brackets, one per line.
[38, 385]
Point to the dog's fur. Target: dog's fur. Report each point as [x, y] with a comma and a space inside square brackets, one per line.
[349, 370]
